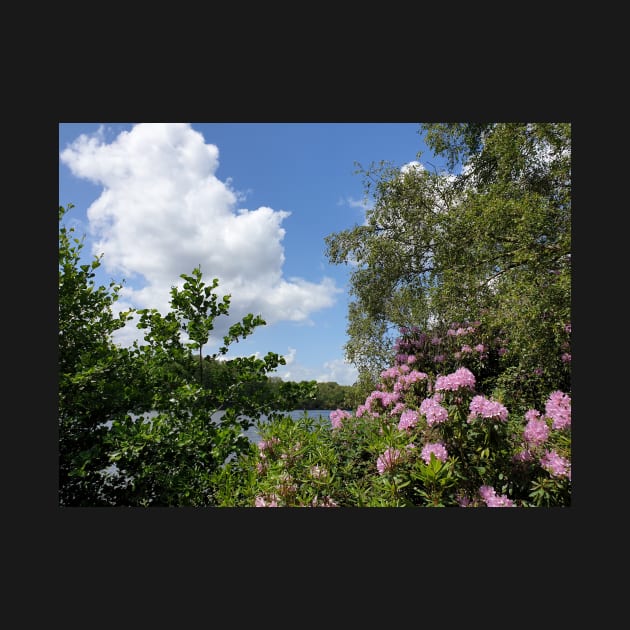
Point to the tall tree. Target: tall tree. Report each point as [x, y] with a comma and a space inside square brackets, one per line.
[489, 239]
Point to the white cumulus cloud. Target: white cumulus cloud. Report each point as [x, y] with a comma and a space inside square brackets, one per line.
[162, 212]
[335, 371]
[338, 371]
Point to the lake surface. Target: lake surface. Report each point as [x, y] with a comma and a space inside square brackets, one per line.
[252, 433]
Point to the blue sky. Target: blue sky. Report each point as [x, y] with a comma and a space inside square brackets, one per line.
[249, 202]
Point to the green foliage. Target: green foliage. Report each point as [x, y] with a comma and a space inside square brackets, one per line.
[293, 466]
[145, 425]
[95, 377]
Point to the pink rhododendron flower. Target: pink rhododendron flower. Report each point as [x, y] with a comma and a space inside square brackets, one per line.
[532, 414]
[438, 449]
[267, 445]
[398, 408]
[388, 460]
[431, 409]
[481, 407]
[523, 456]
[536, 431]
[266, 501]
[556, 465]
[361, 409]
[391, 373]
[408, 419]
[337, 416]
[462, 377]
[491, 499]
[559, 409]
[406, 380]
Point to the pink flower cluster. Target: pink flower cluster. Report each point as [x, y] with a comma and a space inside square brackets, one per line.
[267, 445]
[394, 372]
[556, 465]
[431, 409]
[325, 501]
[406, 380]
[492, 499]
[558, 408]
[408, 419]
[481, 407]
[399, 407]
[267, 501]
[438, 449]
[337, 416]
[537, 430]
[461, 377]
[460, 331]
[388, 460]
[376, 402]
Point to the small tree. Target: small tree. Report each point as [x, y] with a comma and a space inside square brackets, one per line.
[137, 427]
[175, 457]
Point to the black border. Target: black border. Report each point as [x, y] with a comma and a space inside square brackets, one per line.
[281, 550]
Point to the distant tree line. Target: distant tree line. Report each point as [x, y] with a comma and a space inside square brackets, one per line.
[328, 395]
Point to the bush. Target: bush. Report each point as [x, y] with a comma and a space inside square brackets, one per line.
[418, 440]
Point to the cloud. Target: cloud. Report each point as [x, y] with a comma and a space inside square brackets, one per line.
[362, 204]
[290, 356]
[414, 165]
[355, 203]
[162, 212]
[338, 371]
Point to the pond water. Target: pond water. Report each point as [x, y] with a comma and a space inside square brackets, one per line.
[252, 433]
